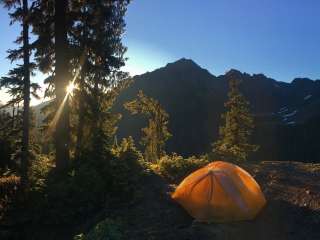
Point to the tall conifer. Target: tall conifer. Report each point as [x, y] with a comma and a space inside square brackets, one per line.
[156, 133]
[234, 142]
[17, 82]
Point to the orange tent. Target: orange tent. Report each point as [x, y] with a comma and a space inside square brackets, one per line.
[220, 192]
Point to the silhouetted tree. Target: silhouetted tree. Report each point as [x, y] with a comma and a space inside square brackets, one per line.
[156, 133]
[18, 80]
[9, 139]
[61, 81]
[52, 21]
[81, 40]
[233, 143]
[97, 43]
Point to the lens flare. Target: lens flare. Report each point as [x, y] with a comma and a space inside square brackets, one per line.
[70, 88]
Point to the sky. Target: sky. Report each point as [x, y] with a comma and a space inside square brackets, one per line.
[279, 38]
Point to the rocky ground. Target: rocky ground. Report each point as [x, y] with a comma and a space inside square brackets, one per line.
[292, 190]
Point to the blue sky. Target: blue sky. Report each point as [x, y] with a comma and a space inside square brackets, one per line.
[280, 38]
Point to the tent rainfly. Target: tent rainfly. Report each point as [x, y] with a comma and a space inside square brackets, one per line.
[220, 192]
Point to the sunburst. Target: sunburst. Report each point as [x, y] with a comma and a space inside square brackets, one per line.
[70, 88]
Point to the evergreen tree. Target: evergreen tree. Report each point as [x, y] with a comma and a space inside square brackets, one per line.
[26, 93]
[97, 34]
[52, 22]
[18, 82]
[88, 34]
[10, 138]
[156, 133]
[61, 81]
[233, 144]
[6, 140]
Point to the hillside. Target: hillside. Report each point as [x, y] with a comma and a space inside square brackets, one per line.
[286, 114]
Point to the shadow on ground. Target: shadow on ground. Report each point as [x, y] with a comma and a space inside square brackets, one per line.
[279, 220]
[292, 211]
[156, 216]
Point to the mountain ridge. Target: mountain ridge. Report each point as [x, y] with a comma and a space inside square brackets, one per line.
[286, 114]
[188, 61]
[194, 99]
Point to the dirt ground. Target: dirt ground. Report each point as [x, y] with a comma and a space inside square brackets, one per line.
[293, 210]
[292, 191]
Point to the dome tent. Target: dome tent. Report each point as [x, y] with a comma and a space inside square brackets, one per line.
[220, 192]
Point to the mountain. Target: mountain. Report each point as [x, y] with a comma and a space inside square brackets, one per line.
[286, 114]
[36, 109]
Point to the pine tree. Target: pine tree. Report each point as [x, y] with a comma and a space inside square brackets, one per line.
[51, 22]
[156, 133]
[26, 93]
[6, 140]
[61, 81]
[90, 37]
[97, 34]
[17, 82]
[233, 144]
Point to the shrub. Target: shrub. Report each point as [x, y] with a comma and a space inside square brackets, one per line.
[90, 184]
[105, 230]
[71, 196]
[9, 186]
[38, 172]
[175, 167]
[127, 168]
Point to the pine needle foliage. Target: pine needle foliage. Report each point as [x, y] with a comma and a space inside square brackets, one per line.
[156, 133]
[234, 141]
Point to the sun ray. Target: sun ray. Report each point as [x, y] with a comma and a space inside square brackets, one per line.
[69, 90]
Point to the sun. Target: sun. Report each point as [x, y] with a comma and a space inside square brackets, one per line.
[70, 88]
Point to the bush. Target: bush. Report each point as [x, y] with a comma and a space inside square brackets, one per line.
[127, 168]
[38, 172]
[70, 197]
[89, 185]
[175, 167]
[9, 186]
[105, 230]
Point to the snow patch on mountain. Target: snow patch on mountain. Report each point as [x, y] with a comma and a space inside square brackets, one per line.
[283, 110]
[290, 114]
[307, 97]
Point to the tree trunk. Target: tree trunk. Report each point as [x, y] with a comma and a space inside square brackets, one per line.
[26, 97]
[13, 116]
[83, 62]
[80, 118]
[62, 135]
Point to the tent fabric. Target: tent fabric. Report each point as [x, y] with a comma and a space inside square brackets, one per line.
[220, 192]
